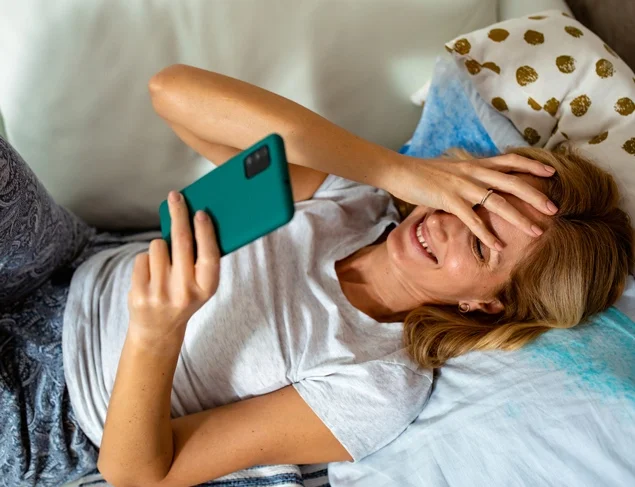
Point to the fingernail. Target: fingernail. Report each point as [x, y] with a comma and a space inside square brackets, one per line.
[174, 196]
[201, 216]
[552, 208]
[550, 169]
[537, 230]
[498, 246]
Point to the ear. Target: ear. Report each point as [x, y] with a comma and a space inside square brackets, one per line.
[490, 307]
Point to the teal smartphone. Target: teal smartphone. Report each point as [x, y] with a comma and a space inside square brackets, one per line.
[247, 197]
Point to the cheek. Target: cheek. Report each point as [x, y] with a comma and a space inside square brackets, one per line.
[463, 277]
[460, 266]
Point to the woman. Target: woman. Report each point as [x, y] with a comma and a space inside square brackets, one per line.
[315, 343]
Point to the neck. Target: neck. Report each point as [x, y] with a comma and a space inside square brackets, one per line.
[370, 284]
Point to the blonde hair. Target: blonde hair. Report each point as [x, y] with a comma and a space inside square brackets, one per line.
[575, 269]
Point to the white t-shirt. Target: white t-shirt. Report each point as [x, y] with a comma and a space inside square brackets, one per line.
[279, 317]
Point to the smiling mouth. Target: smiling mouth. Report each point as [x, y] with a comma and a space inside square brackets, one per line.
[423, 242]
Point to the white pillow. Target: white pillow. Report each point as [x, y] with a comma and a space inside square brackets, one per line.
[556, 80]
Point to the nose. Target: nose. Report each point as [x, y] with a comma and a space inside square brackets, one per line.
[437, 226]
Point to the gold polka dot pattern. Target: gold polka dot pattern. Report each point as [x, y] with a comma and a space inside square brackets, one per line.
[599, 138]
[604, 68]
[534, 104]
[526, 75]
[580, 105]
[492, 67]
[566, 64]
[571, 90]
[534, 38]
[629, 146]
[624, 106]
[473, 67]
[531, 135]
[499, 104]
[498, 35]
[462, 46]
[574, 31]
[551, 107]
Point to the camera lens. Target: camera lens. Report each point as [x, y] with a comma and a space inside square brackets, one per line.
[257, 162]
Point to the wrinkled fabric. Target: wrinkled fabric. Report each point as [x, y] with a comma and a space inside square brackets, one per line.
[278, 318]
[41, 244]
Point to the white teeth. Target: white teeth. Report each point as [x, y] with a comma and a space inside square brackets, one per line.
[422, 241]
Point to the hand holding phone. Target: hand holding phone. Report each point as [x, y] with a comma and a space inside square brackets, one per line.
[247, 197]
[166, 290]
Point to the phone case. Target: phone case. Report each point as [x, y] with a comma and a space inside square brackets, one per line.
[242, 209]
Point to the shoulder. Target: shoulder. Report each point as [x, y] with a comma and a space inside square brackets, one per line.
[333, 184]
[367, 405]
[400, 358]
[357, 198]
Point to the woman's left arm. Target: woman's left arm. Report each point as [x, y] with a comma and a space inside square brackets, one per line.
[141, 444]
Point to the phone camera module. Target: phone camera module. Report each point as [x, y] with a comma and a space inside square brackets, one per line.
[257, 162]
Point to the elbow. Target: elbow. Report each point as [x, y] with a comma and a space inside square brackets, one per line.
[166, 78]
[120, 477]
[164, 85]
[113, 475]
[127, 481]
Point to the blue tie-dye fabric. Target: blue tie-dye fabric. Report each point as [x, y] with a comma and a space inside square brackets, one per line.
[598, 357]
[449, 120]
[559, 412]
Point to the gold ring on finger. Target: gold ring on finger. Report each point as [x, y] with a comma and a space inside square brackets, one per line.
[487, 195]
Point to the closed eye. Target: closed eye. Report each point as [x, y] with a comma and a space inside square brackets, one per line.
[477, 247]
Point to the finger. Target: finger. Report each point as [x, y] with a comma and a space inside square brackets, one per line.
[207, 266]
[511, 184]
[159, 263]
[516, 163]
[476, 225]
[141, 271]
[499, 205]
[181, 234]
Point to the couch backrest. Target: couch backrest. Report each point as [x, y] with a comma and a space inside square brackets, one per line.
[74, 73]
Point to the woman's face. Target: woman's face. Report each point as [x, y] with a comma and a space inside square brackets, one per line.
[459, 269]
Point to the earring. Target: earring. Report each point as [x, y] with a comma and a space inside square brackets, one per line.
[464, 308]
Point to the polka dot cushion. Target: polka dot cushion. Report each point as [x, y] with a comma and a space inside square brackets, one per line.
[556, 80]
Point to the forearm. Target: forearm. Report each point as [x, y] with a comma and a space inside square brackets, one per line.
[137, 441]
[226, 111]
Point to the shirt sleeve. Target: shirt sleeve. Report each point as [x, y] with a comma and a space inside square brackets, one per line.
[367, 405]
